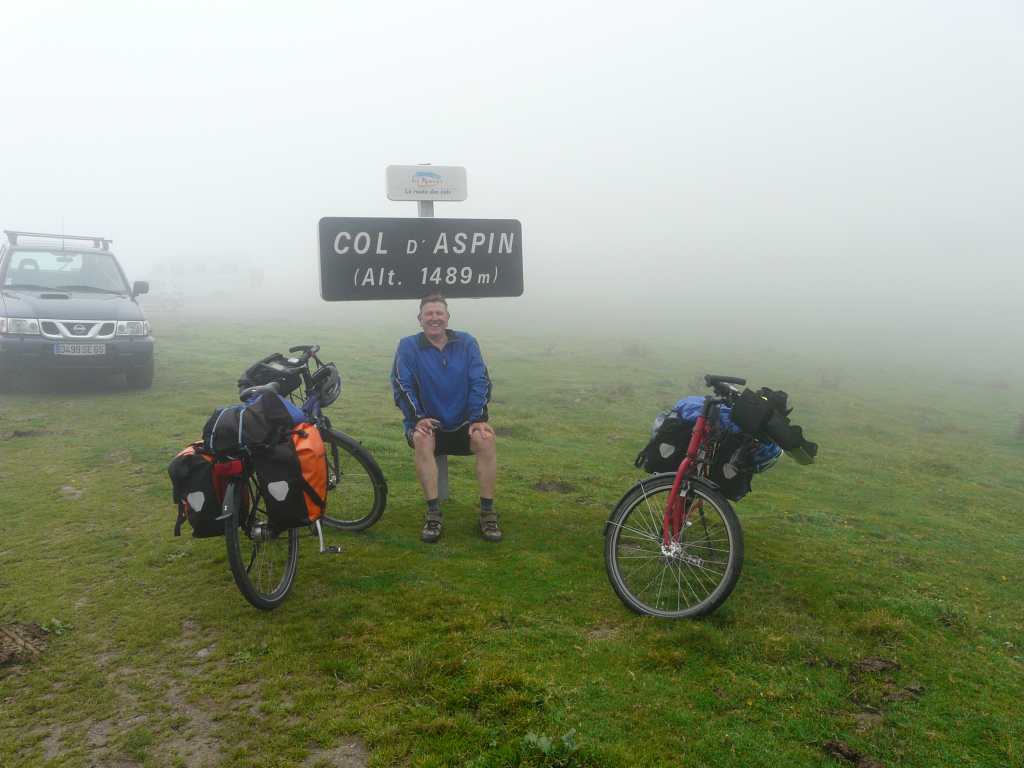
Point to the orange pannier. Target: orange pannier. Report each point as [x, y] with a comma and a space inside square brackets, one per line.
[292, 477]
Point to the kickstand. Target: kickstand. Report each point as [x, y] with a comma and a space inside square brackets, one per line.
[320, 535]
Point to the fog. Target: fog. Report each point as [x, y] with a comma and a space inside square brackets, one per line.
[849, 175]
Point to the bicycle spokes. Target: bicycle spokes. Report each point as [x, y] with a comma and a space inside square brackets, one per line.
[673, 556]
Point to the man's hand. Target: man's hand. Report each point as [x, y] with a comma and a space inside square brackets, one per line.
[426, 427]
[482, 427]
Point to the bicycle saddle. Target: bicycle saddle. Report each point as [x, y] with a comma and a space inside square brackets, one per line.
[250, 392]
[711, 379]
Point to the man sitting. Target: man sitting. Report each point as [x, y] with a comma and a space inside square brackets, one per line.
[441, 385]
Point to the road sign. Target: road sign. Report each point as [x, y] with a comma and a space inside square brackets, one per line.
[434, 183]
[378, 258]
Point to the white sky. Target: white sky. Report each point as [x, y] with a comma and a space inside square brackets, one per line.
[851, 156]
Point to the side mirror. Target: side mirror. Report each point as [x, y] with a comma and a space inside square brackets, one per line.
[140, 287]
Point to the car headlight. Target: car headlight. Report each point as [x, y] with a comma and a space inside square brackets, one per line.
[19, 326]
[131, 328]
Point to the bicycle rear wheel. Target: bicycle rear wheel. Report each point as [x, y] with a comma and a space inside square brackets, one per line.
[356, 490]
[683, 580]
[263, 561]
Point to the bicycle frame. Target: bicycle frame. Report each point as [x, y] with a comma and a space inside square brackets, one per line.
[311, 407]
[675, 510]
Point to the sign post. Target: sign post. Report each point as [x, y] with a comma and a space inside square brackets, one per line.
[425, 209]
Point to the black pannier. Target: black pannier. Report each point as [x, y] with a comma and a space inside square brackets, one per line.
[292, 476]
[194, 491]
[753, 409]
[264, 421]
[668, 444]
[731, 467]
[765, 415]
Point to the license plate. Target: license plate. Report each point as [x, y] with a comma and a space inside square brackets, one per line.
[79, 349]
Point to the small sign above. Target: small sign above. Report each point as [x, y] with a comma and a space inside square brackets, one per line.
[436, 183]
[373, 258]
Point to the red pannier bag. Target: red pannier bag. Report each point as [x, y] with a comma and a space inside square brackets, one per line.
[197, 488]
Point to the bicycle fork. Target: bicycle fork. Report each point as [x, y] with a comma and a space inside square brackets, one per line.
[676, 512]
[674, 520]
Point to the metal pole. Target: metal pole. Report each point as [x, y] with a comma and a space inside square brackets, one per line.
[426, 210]
[442, 477]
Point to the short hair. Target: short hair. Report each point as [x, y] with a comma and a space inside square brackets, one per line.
[433, 298]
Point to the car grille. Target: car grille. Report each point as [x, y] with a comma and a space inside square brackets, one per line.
[78, 329]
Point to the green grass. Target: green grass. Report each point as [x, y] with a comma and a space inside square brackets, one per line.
[902, 543]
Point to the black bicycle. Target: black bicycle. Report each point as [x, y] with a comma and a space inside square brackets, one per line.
[264, 560]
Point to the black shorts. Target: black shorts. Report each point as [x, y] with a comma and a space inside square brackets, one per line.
[448, 443]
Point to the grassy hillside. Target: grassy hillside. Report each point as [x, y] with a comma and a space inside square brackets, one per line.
[879, 613]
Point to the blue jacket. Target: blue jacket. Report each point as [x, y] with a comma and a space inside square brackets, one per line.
[450, 384]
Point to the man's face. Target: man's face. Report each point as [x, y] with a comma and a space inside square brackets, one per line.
[434, 318]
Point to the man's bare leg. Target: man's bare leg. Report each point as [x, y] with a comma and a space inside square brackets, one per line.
[426, 465]
[482, 444]
[426, 471]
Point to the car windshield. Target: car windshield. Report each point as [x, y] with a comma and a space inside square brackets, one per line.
[87, 271]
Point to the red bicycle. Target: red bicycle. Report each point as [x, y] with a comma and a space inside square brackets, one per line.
[673, 543]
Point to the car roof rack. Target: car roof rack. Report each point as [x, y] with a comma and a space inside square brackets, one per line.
[97, 242]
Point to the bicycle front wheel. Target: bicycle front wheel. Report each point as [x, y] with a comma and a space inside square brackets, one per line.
[263, 561]
[688, 578]
[356, 490]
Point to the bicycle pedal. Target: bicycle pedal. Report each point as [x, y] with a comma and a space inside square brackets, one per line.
[331, 550]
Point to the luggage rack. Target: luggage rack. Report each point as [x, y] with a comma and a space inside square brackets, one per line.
[103, 243]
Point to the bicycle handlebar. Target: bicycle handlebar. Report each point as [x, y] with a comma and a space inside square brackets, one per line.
[724, 386]
[308, 350]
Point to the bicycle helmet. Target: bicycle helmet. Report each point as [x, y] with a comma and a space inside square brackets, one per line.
[327, 384]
